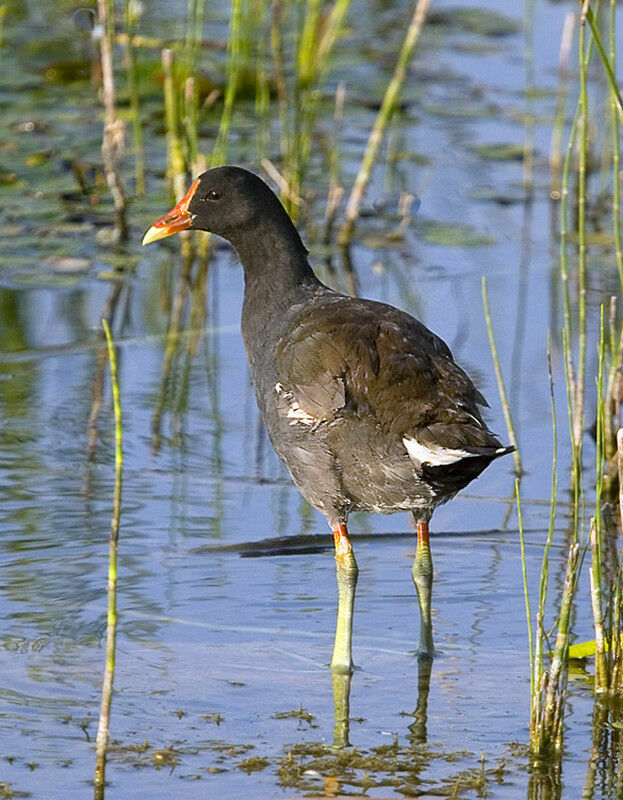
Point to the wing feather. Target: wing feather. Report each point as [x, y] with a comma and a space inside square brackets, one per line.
[355, 357]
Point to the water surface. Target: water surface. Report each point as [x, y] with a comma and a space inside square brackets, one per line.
[222, 686]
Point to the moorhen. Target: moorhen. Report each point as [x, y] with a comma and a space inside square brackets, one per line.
[363, 404]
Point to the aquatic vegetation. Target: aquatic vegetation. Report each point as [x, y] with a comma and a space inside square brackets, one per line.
[111, 626]
[596, 535]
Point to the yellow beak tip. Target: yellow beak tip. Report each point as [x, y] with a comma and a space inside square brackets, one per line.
[153, 234]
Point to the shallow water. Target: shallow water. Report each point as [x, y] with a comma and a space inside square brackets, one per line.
[225, 628]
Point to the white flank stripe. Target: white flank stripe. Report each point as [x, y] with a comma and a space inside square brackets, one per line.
[435, 456]
[294, 412]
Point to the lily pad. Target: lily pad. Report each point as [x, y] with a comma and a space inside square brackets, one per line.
[499, 151]
[476, 20]
[67, 71]
[7, 177]
[461, 110]
[490, 194]
[456, 235]
[68, 264]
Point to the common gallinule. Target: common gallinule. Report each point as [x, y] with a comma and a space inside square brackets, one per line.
[363, 404]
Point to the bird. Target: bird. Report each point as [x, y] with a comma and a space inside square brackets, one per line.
[364, 405]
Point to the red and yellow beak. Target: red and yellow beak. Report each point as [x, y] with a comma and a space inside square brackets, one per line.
[176, 220]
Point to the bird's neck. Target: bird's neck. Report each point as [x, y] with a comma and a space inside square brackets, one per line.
[272, 253]
[276, 275]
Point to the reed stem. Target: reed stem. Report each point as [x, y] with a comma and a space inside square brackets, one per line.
[609, 67]
[376, 135]
[498, 374]
[540, 633]
[603, 661]
[176, 161]
[232, 74]
[555, 159]
[135, 106]
[601, 670]
[525, 587]
[576, 452]
[111, 626]
[616, 151]
[2, 18]
[112, 141]
[547, 738]
[584, 57]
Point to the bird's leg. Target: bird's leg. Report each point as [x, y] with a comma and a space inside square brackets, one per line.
[422, 572]
[346, 570]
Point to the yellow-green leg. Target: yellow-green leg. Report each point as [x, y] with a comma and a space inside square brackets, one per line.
[422, 572]
[346, 571]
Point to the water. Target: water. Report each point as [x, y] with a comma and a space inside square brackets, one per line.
[224, 633]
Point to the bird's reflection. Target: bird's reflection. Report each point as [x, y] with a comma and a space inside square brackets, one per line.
[341, 706]
[417, 729]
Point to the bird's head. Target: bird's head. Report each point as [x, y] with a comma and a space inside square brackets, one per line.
[222, 201]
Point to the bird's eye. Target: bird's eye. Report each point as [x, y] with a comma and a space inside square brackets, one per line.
[213, 195]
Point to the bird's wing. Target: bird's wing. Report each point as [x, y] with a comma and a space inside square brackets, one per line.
[358, 357]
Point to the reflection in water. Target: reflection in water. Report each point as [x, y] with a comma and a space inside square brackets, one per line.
[97, 383]
[544, 782]
[417, 728]
[175, 329]
[341, 704]
[342, 769]
[604, 775]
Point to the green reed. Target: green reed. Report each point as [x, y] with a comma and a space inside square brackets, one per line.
[232, 73]
[111, 625]
[195, 13]
[606, 553]
[548, 682]
[262, 82]
[609, 65]
[524, 572]
[177, 172]
[584, 60]
[376, 134]
[500, 380]
[610, 399]
[130, 17]
[177, 165]
[555, 159]
[2, 19]
[597, 534]
[616, 148]
[316, 30]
